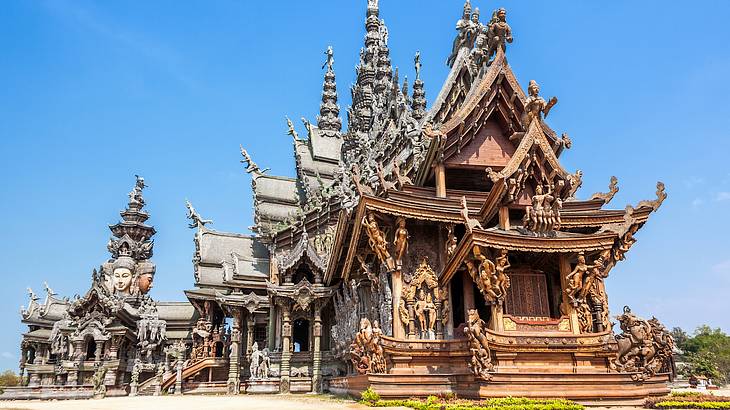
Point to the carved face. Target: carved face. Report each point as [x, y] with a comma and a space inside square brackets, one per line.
[502, 14]
[122, 279]
[475, 16]
[581, 259]
[145, 283]
[538, 189]
[533, 89]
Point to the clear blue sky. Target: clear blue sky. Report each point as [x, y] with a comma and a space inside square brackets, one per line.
[93, 92]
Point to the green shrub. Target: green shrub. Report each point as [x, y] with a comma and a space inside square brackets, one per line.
[686, 394]
[509, 403]
[369, 396]
[693, 405]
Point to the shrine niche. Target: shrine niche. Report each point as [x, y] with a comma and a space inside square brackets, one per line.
[423, 303]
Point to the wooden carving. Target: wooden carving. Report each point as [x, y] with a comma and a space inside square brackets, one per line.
[366, 351]
[543, 216]
[480, 362]
[470, 223]
[377, 240]
[644, 347]
[400, 242]
[606, 197]
[424, 302]
[451, 241]
[401, 179]
[536, 107]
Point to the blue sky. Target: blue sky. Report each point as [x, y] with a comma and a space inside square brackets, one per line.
[93, 92]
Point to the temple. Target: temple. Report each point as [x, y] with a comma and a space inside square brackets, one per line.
[423, 250]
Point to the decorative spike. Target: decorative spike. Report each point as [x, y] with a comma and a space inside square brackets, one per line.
[329, 121]
[418, 102]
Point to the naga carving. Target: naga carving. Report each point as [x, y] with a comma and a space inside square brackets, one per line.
[644, 347]
[366, 351]
[470, 223]
[480, 362]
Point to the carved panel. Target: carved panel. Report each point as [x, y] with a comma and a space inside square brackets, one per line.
[528, 295]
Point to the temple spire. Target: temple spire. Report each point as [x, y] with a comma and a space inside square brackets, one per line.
[418, 102]
[329, 121]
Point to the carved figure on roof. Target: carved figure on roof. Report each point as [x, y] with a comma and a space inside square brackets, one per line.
[377, 240]
[400, 179]
[480, 362]
[356, 176]
[135, 196]
[470, 223]
[385, 185]
[251, 167]
[401, 241]
[625, 243]
[384, 35]
[536, 107]
[417, 64]
[291, 131]
[575, 181]
[478, 56]
[196, 220]
[499, 33]
[607, 196]
[463, 27]
[543, 216]
[660, 197]
[330, 62]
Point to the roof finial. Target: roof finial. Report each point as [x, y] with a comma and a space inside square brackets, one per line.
[329, 121]
[196, 221]
[418, 102]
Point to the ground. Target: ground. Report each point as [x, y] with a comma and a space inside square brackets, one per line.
[248, 402]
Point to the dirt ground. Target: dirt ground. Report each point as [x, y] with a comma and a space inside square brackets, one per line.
[248, 402]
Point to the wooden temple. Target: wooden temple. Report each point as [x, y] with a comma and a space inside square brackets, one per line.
[421, 251]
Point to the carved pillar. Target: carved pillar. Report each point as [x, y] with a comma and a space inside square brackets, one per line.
[271, 328]
[178, 377]
[317, 353]
[285, 366]
[250, 335]
[468, 287]
[565, 306]
[397, 291]
[439, 322]
[497, 322]
[440, 172]
[411, 320]
[234, 379]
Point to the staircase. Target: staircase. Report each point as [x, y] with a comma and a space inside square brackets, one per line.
[148, 387]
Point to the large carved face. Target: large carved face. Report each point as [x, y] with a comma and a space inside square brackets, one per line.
[502, 15]
[122, 279]
[145, 282]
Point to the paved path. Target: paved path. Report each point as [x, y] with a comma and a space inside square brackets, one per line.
[247, 402]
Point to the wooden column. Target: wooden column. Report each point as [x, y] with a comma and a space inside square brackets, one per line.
[234, 368]
[397, 291]
[285, 366]
[468, 288]
[566, 307]
[317, 352]
[440, 173]
[504, 218]
[271, 328]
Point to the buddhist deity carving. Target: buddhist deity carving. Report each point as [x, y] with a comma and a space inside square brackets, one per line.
[470, 223]
[464, 27]
[377, 240]
[401, 241]
[543, 216]
[480, 362]
[536, 107]
[498, 33]
[423, 303]
[260, 363]
[366, 351]
[644, 347]
[122, 275]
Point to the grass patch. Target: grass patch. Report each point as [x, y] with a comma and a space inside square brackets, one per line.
[450, 402]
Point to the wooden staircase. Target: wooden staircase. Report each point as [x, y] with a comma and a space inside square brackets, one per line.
[148, 387]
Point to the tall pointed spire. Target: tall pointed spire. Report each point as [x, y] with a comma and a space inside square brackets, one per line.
[418, 104]
[329, 121]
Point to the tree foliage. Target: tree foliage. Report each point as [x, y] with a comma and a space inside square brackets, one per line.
[706, 352]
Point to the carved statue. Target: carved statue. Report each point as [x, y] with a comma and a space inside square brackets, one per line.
[417, 64]
[98, 381]
[575, 181]
[607, 196]
[481, 360]
[400, 179]
[543, 216]
[291, 130]
[644, 347]
[385, 185]
[462, 38]
[196, 220]
[330, 59]
[499, 33]
[451, 241]
[401, 241]
[426, 313]
[625, 243]
[502, 282]
[366, 351]
[377, 240]
[374, 280]
[251, 167]
[485, 277]
[468, 222]
[122, 275]
[260, 363]
[536, 105]
[135, 196]
[575, 279]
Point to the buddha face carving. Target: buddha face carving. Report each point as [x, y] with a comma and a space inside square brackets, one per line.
[145, 282]
[122, 280]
